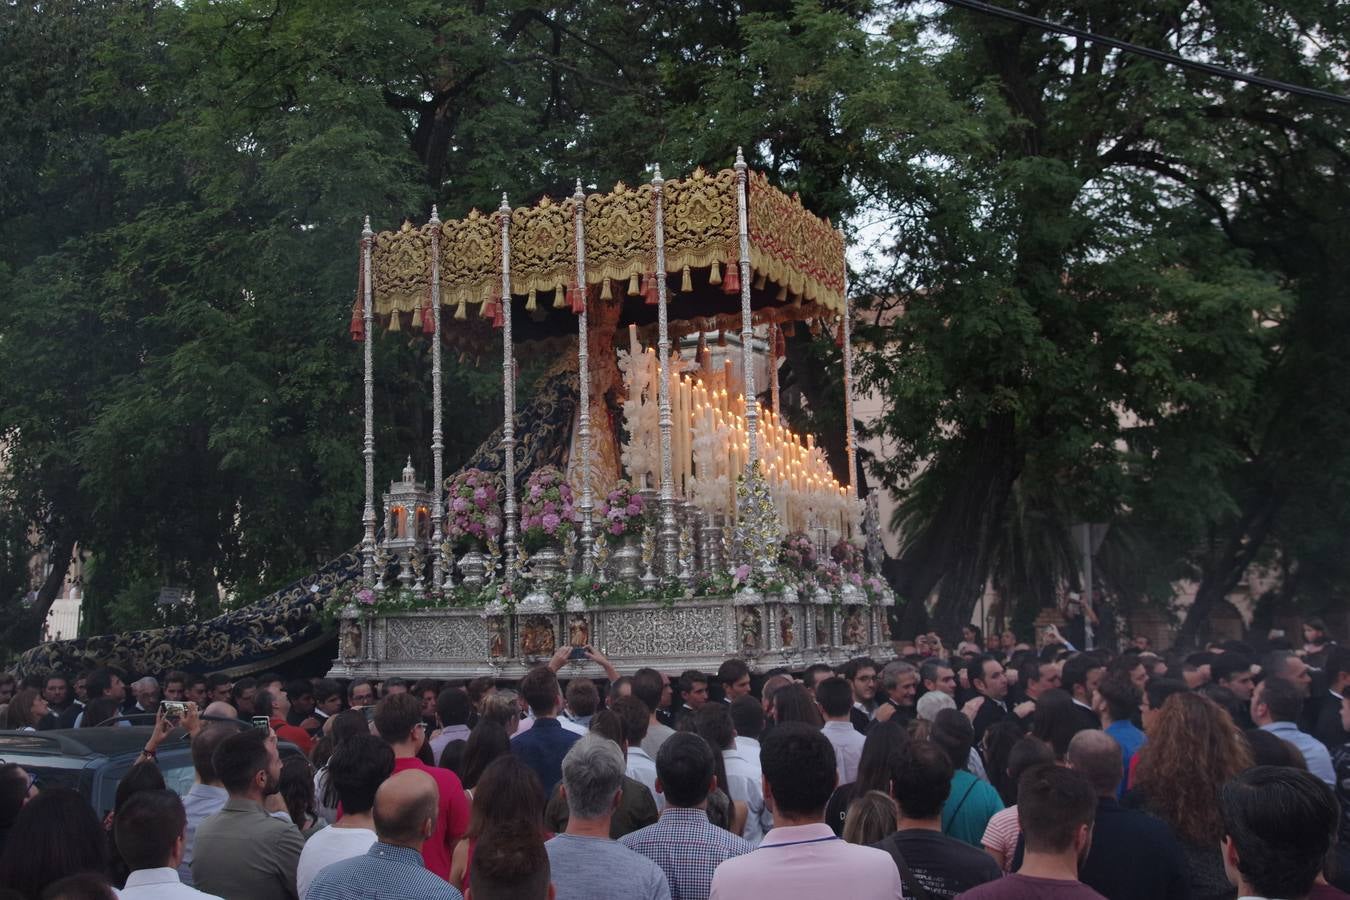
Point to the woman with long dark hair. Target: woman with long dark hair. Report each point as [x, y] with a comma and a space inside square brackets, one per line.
[884, 739]
[1193, 748]
[509, 796]
[486, 743]
[56, 834]
[794, 703]
[1056, 721]
[346, 725]
[26, 710]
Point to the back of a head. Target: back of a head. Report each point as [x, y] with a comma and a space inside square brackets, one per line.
[1159, 689]
[299, 688]
[835, 696]
[396, 716]
[648, 687]
[592, 773]
[84, 886]
[510, 863]
[608, 725]
[685, 765]
[1223, 668]
[204, 747]
[1282, 822]
[486, 742]
[146, 828]
[1283, 699]
[582, 697]
[921, 779]
[747, 715]
[404, 804]
[1269, 749]
[356, 770]
[932, 703]
[239, 758]
[1097, 755]
[98, 683]
[453, 707]
[143, 776]
[870, 818]
[539, 687]
[712, 722]
[1056, 720]
[1052, 804]
[56, 834]
[1121, 696]
[953, 733]
[884, 740]
[798, 763]
[634, 716]
[1276, 662]
[508, 793]
[794, 703]
[96, 712]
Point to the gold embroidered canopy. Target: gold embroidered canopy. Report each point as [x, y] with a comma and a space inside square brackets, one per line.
[797, 261]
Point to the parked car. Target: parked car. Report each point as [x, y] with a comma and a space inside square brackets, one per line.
[94, 760]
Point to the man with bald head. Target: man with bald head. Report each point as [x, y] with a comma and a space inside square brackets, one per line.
[405, 819]
[1121, 837]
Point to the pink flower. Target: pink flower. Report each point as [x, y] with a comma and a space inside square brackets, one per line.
[616, 528]
[366, 596]
[550, 522]
[458, 504]
[742, 573]
[634, 509]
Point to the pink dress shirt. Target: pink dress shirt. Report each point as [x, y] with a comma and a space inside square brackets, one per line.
[807, 862]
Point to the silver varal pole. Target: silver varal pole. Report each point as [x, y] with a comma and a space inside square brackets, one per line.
[368, 448]
[850, 440]
[747, 323]
[438, 560]
[509, 396]
[584, 382]
[668, 534]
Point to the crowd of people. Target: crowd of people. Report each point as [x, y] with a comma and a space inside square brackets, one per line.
[996, 771]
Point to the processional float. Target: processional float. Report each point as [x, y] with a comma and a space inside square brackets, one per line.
[672, 521]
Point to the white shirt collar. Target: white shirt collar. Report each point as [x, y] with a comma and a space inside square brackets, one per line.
[163, 875]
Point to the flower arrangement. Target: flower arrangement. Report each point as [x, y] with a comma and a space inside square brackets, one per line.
[849, 557]
[474, 516]
[546, 511]
[623, 511]
[798, 552]
[876, 588]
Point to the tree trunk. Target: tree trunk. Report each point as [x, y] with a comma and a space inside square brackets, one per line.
[1223, 571]
[956, 547]
[29, 632]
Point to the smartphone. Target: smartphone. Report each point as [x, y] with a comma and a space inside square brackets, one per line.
[174, 710]
[578, 653]
[262, 722]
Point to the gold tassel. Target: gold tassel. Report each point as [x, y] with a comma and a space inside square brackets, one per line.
[686, 281]
[417, 319]
[759, 282]
[462, 311]
[485, 307]
[605, 293]
[394, 321]
[633, 289]
[560, 297]
[531, 303]
[782, 293]
[715, 273]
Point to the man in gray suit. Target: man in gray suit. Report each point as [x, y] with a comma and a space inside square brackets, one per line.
[242, 853]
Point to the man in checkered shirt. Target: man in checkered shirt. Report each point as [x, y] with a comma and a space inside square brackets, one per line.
[686, 846]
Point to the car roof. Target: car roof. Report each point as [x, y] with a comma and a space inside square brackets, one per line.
[76, 741]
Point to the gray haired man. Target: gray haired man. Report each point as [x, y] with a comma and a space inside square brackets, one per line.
[899, 689]
[585, 863]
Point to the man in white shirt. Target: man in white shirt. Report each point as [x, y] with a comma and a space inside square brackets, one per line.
[150, 830]
[636, 719]
[748, 716]
[744, 781]
[835, 697]
[355, 772]
[801, 857]
[1276, 705]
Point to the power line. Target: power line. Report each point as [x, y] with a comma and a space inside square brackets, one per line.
[1168, 58]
